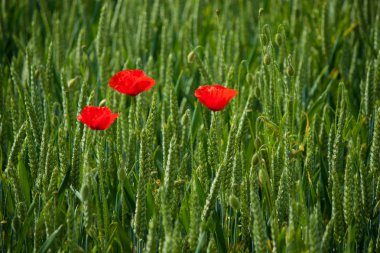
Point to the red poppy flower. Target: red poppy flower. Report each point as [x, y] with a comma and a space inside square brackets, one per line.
[131, 82]
[215, 97]
[97, 118]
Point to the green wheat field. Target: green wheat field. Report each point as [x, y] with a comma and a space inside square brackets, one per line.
[291, 164]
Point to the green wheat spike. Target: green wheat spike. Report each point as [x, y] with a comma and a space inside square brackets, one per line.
[35, 100]
[337, 206]
[140, 211]
[48, 212]
[322, 137]
[53, 182]
[221, 59]
[202, 171]
[131, 137]
[353, 65]
[151, 245]
[358, 209]
[101, 34]
[274, 231]
[63, 156]
[236, 173]
[348, 191]
[102, 183]
[151, 123]
[70, 228]
[375, 146]
[245, 208]
[11, 171]
[176, 238]
[365, 187]
[165, 143]
[32, 154]
[327, 236]
[277, 168]
[325, 31]
[174, 112]
[144, 30]
[39, 233]
[292, 245]
[315, 231]
[75, 172]
[203, 69]
[212, 143]
[42, 156]
[78, 52]
[58, 43]
[259, 229]
[167, 193]
[228, 160]
[49, 67]
[32, 119]
[47, 169]
[213, 193]
[282, 200]
[163, 55]
[65, 105]
[368, 94]
[376, 79]
[14, 117]
[185, 123]
[194, 225]
[378, 240]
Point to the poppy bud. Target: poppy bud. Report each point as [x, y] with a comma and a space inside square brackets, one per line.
[290, 70]
[250, 78]
[191, 57]
[71, 82]
[261, 10]
[258, 142]
[255, 159]
[267, 59]
[84, 192]
[264, 39]
[261, 176]
[234, 202]
[264, 152]
[278, 39]
[103, 102]
[217, 12]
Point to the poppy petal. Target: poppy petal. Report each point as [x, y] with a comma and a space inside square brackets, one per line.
[97, 118]
[131, 82]
[215, 97]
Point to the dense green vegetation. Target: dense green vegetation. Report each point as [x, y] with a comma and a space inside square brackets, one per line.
[292, 164]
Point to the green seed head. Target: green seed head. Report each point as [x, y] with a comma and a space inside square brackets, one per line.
[191, 57]
[290, 70]
[234, 202]
[264, 39]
